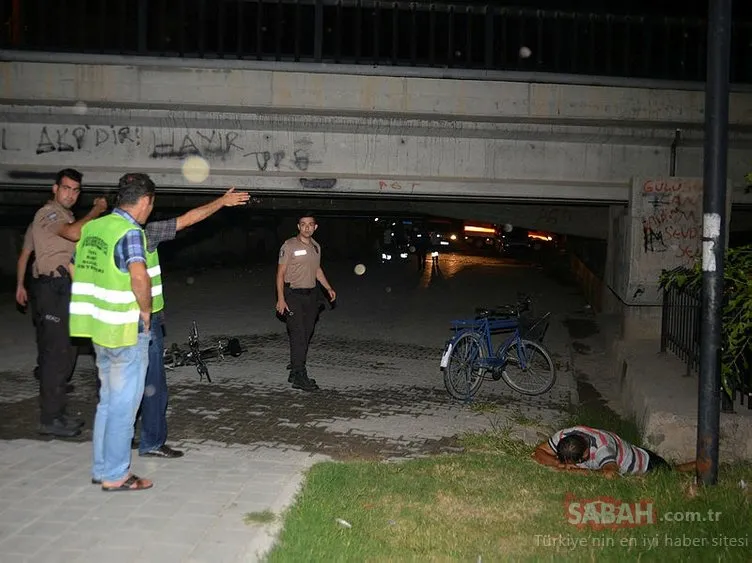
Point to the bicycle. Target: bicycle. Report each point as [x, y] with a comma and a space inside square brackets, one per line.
[174, 357]
[521, 360]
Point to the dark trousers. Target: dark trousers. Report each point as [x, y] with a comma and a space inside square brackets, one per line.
[55, 352]
[656, 462]
[154, 401]
[304, 306]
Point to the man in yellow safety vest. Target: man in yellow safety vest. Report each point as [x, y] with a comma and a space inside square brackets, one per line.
[111, 303]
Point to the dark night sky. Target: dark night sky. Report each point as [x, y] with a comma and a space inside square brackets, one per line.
[675, 8]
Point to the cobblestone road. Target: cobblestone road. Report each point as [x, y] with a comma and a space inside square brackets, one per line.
[376, 357]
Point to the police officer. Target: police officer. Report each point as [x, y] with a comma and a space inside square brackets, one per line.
[53, 231]
[297, 273]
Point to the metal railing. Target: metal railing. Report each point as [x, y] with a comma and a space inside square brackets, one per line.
[680, 335]
[680, 325]
[374, 32]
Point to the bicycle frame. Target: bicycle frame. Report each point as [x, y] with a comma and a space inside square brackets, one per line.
[484, 328]
[478, 360]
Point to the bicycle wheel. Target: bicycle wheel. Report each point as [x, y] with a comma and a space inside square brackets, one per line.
[539, 373]
[463, 375]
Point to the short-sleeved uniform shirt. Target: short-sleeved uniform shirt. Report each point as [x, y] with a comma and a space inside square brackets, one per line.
[302, 260]
[51, 250]
[28, 241]
[606, 447]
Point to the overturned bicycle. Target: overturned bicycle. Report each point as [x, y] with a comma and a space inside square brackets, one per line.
[195, 355]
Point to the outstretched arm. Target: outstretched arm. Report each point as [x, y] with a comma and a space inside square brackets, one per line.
[72, 231]
[231, 198]
[544, 455]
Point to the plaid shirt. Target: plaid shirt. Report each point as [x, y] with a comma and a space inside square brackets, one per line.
[157, 232]
[160, 231]
[130, 248]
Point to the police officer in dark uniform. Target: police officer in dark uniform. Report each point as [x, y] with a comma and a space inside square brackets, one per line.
[298, 271]
[53, 232]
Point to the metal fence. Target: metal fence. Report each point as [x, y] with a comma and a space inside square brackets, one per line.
[680, 325]
[680, 335]
[436, 34]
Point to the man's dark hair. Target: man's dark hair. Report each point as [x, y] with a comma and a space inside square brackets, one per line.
[310, 214]
[71, 173]
[571, 448]
[132, 187]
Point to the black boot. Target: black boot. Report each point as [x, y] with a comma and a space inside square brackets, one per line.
[311, 381]
[300, 381]
[58, 428]
[305, 374]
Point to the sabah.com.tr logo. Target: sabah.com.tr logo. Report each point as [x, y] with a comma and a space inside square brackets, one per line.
[603, 513]
[600, 513]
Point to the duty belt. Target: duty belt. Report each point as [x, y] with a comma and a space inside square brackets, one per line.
[63, 275]
[300, 290]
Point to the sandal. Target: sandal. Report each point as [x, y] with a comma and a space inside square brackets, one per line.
[132, 483]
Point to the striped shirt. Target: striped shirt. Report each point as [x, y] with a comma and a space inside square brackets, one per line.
[606, 447]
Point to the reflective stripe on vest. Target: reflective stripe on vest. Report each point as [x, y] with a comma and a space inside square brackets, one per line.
[155, 274]
[103, 306]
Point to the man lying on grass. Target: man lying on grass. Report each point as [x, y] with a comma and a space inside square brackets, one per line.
[582, 449]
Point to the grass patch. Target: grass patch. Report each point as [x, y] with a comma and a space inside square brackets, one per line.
[484, 407]
[523, 420]
[503, 507]
[494, 503]
[264, 517]
[495, 442]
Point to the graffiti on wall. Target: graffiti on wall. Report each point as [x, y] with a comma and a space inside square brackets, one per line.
[671, 216]
[257, 150]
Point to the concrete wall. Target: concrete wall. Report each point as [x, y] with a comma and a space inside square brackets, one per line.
[663, 232]
[337, 134]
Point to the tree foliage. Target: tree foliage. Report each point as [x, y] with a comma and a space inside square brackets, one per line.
[736, 335]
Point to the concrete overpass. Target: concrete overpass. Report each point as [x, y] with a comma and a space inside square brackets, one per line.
[499, 147]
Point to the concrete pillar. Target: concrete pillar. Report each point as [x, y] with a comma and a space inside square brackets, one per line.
[661, 230]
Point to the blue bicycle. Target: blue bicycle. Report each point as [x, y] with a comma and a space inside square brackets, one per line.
[521, 360]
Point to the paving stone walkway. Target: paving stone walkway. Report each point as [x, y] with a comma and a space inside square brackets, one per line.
[248, 436]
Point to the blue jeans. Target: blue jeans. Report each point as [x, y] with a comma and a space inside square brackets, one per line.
[154, 403]
[121, 375]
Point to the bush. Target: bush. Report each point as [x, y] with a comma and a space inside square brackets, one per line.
[736, 335]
